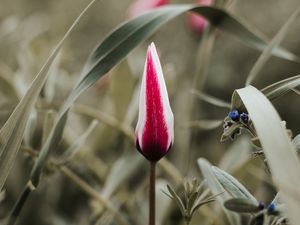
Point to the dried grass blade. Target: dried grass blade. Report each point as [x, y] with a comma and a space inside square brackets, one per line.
[275, 42]
[282, 87]
[211, 99]
[204, 124]
[78, 143]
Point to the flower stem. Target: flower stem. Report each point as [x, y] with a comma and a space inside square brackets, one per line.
[152, 194]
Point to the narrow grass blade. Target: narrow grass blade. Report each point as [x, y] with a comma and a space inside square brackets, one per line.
[203, 57]
[216, 188]
[282, 87]
[268, 50]
[248, 35]
[105, 118]
[278, 148]
[121, 171]
[295, 91]
[79, 142]
[204, 124]
[211, 99]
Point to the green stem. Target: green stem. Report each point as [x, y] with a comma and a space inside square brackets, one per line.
[152, 194]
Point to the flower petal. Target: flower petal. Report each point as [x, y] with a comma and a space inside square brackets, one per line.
[155, 128]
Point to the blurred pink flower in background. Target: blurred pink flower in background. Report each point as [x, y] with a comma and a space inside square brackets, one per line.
[198, 23]
[140, 6]
[154, 134]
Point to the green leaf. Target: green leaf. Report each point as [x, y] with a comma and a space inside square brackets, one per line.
[232, 186]
[241, 205]
[216, 188]
[282, 87]
[263, 58]
[279, 150]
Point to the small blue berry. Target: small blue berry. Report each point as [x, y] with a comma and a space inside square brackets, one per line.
[234, 115]
[271, 207]
[261, 205]
[244, 117]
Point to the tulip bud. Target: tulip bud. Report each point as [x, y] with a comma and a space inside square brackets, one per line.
[154, 134]
[141, 6]
[196, 22]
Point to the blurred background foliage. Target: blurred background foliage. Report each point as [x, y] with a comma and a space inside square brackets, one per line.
[107, 160]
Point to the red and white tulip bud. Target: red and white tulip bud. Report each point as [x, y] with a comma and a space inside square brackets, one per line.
[154, 134]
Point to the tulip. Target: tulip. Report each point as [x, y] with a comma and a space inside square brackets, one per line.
[196, 22]
[154, 133]
[141, 6]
